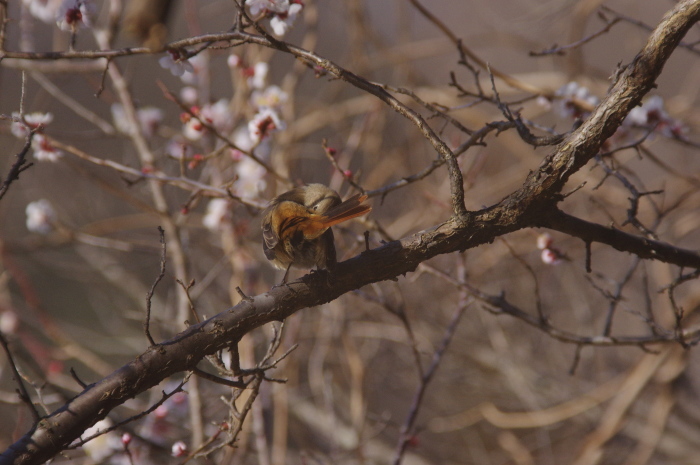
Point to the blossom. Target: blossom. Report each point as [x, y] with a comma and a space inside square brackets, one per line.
[272, 97]
[178, 148]
[259, 75]
[576, 100]
[217, 213]
[198, 65]
[149, 119]
[179, 449]
[263, 6]
[263, 123]
[73, 14]
[44, 10]
[9, 322]
[193, 129]
[31, 121]
[234, 61]
[43, 150]
[218, 114]
[41, 217]
[176, 63]
[544, 241]
[243, 141]
[250, 180]
[653, 115]
[189, 95]
[551, 257]
[280, 23]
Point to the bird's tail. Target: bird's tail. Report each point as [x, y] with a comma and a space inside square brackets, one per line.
[349, 209]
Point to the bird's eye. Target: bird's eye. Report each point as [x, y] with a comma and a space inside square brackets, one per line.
[315, 207]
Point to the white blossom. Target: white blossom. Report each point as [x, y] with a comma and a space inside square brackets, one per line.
[263, 123]
[43, 150]
[41, 217]
[44, 10]
[218, 114]
[575, 100]
[193, 129]
[179, 449]
[31, 121]
[217, 213]
[544, 241]
[250, 180]
[198, 64]
[272, 97]
[281, 23]
[551, 257]
[189, 95]
[234, 61]
[175, 64]
[73, 14]
[274, 6]
[149, 119]
[259, 77]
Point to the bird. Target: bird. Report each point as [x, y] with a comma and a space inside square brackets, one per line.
[297, 224]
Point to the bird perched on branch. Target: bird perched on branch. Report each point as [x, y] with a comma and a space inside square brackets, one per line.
[297, 226]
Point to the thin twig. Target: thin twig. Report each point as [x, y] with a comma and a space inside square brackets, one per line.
[407, 428]
[19, 165]
[146, 324]
[21, 389]
[560, 50]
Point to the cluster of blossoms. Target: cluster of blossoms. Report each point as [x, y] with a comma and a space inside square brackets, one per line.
[21, 127]
[282, 13]
[576, 102]
[550, 254]
[69, 15]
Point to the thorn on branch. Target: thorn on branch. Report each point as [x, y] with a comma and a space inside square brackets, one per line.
[243, 296]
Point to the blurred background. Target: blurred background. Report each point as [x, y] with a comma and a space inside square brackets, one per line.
[80, 245]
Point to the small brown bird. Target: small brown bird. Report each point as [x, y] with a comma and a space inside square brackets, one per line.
[296, 226]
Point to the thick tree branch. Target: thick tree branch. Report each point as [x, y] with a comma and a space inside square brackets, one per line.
[643, 247]
[530, 205]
